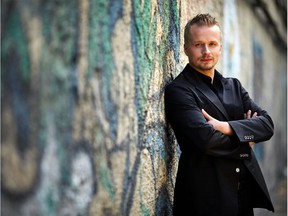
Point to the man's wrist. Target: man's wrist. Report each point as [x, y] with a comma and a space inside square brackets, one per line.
[224, 127]
[227, 130]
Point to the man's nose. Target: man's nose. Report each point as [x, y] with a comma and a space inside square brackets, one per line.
[206, 49]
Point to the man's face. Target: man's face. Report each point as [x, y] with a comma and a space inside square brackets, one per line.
[203, 48]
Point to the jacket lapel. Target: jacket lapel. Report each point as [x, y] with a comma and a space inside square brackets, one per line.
[205, 90]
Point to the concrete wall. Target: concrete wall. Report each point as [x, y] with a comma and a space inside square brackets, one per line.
[83, 125]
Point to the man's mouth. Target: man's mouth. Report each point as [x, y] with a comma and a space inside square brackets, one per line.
[206, 59]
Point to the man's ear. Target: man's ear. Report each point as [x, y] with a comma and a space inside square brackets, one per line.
[185, 49]
[221, 48]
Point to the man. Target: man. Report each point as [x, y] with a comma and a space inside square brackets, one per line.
[215, 123]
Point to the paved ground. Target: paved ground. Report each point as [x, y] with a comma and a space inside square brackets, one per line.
[280, 202]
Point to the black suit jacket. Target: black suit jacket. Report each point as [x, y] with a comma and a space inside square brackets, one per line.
[208, 171]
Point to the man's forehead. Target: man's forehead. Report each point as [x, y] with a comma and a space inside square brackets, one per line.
[205, 32]
[203, 26]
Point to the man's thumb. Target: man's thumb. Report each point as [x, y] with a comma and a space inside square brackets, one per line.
[206, 115]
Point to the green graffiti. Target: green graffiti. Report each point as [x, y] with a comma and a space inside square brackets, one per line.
[60, 27]
[146, 51]
[144, 210]
[100, 50]
[100, 54]
[171, 30]
[106, 180]
[51, 202]
[14, 38]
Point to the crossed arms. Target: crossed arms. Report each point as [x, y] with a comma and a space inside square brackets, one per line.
[223, 126]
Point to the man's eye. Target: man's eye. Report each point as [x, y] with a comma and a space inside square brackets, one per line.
[197, 44]
[212, 44]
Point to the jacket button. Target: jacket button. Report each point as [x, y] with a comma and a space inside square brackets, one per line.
[237, 170]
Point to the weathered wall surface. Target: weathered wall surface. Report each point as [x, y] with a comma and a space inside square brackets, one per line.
[83, 125]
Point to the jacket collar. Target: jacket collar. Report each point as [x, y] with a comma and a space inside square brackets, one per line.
[191, 75]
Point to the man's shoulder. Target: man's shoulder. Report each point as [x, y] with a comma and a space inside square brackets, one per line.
[179, 82]
[227, 80]
[182, 80]
[232, 81]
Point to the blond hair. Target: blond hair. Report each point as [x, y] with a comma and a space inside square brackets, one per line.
[200, 20]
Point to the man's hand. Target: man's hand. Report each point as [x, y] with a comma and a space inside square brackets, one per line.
[221, 126]
[248, 116]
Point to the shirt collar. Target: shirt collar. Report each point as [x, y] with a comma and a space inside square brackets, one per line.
[217, 76]
[204, 78]
[207, 79]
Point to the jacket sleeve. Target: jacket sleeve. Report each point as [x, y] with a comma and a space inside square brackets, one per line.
[256, 129]
[192, 131]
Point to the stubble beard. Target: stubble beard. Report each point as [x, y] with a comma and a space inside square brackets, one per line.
[206, 67]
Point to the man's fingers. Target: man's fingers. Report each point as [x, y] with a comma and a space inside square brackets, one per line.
[251, 144]
[206, 115]
[248, 115]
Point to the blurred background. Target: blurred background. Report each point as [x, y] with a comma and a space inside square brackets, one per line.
[83, 130]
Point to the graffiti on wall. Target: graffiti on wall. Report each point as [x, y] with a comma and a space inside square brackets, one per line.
[83, 119]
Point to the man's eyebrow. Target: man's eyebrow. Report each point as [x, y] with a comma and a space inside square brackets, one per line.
[201, 41]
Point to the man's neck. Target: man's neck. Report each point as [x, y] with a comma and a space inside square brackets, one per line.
[209, 73]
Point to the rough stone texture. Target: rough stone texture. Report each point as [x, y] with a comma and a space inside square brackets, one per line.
[82, 83]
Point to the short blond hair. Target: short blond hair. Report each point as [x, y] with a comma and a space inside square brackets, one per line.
[200, 20]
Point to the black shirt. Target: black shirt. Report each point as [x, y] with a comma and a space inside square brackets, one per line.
[215, 86]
